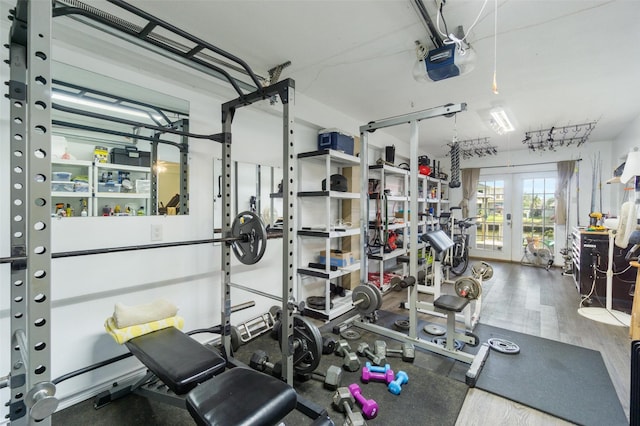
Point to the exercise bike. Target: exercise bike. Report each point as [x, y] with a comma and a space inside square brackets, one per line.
[458, 257]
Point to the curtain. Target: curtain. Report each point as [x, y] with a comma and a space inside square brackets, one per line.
[469, 180]
[565, 173]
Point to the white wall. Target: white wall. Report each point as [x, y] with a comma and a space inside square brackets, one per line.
[84, 289]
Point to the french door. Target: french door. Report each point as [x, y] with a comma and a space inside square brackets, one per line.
[515, 217]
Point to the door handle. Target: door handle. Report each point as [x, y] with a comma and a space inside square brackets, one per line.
[508, 219]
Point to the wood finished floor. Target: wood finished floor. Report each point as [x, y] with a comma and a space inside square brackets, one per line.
[542, 303]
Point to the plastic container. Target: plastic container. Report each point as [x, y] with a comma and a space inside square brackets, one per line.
[81, 187]
[143, 186]
[63, 186]
[108, 187]
[61, 176]
[333, 139]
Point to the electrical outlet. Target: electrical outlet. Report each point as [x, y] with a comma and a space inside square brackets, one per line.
[156, 232]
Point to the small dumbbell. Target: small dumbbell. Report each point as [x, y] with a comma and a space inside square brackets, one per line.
[331, 379]
[395, 387]
[380, 350]
[260, 361]
[343, 401]
[369, 406]
[350, 360]
[363, 350]
[329, 344]
[376, 368]
[367, 375]
[407, 352]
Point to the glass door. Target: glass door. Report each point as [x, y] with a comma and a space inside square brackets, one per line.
[515, 217]
[535, 221]
[493, 233]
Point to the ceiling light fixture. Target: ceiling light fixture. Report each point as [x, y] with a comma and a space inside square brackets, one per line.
[500, 121]
[105, 106]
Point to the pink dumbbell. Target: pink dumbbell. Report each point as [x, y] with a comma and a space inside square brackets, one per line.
[369, 406]
[368, 375]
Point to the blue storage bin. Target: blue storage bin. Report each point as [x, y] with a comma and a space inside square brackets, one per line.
[335, 140]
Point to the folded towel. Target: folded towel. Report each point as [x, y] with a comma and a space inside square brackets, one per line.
[123, 335]
[126, 316]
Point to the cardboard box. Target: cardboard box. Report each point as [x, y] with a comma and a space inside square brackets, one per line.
[339, 258]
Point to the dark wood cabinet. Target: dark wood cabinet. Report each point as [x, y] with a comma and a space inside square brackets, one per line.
[590, 255]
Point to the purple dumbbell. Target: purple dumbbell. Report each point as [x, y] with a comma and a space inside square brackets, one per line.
[368, 375]
[395, 387]
[369, 406]
[377, 369]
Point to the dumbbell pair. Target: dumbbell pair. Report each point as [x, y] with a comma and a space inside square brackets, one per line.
[385, 374]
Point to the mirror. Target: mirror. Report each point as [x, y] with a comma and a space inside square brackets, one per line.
[103, 162]
[256, 188]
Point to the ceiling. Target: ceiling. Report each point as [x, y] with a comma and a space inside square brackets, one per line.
[558, 62]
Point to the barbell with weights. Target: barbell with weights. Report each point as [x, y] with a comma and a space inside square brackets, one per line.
[366, 298]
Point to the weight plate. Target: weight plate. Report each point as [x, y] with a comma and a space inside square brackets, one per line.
[442, 341]
[305, 345]
[275, 312]
[236, 340]
[402, 324]
[468, 287]
[482, 270]
[474, 337]
[350, 334]
[364, 299]
[503, 346]
[435, 330]
[378, 293]
[251, 236]
[395, 284]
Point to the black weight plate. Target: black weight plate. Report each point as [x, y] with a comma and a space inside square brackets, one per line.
[350, 334]
[402, 324]
[275, 312]
[252, 237]
[503, 346]
[308, 349]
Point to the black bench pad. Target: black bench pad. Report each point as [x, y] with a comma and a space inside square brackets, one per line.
[449, 302]
[178, 360]
[241, 396]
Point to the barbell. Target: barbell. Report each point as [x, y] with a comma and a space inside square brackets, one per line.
[248, 239]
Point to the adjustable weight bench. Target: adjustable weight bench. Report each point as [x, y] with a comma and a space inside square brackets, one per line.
[214, 395]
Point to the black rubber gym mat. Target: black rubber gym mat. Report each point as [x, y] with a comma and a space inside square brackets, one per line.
[428, 398]
[566, 381]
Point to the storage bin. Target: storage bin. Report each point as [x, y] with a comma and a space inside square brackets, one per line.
[130, 156]
[61, 176]
[62, 186]
[143, 186]
[333, 139]
[81, 187]
[108, 187]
